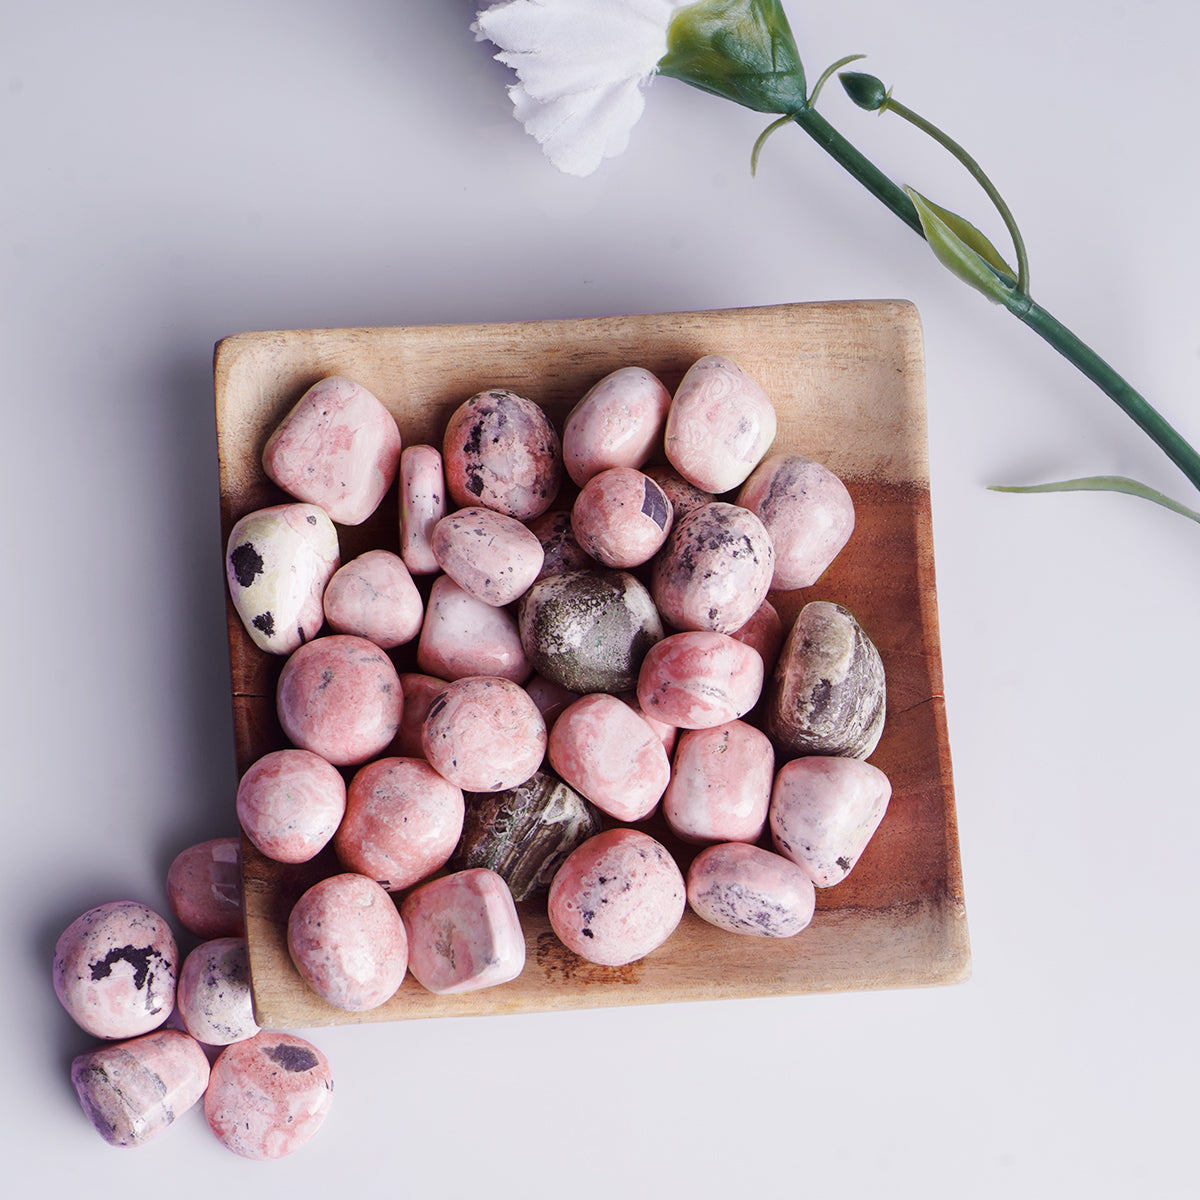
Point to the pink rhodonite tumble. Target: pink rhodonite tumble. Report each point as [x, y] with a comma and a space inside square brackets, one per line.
[824, 811]
[204, 888]
[374, 596]
[746, 889]
[489, 555]
[419, 691]
[465, 636]
[346, 939]
[339, 448]
[402, 822]
[621, 518]
[484, 734]
[720, 784]
[214, 999]
[463, 932]
[422, 505]
[133, 1090]
[340, 697]
[610, 755]
[807, 511]
[115, 969]
[269, 1095]
[290, 803]
[719, 426]
[617, 897]
[698, 679]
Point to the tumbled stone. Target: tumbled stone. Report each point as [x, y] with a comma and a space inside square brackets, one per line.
[290, 803]
[338, 448]
[423, 503]
[373, 596]
[827, 694]
[618, 897]
[745, 889]
[560, 551]
[697, 679]
[464, 636]
[214, 1000]
[115, 969]
[204, 888]
[764, 631]
[621, 518]
[278, 562]
[824, 811]
[269, 1095]
[131, 1091]
[683, 496]
[463, 932]
[589, 630]
[489, 555]
[525, 833]
[419, 691]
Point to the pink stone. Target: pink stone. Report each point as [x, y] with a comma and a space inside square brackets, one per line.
[290, 803]
[720, 785]
[115, 969]
[714, 570]
[269, 1095]
[618, 423]
[683, 496]
[214, 998]
[621, 518]
[807, 511]
[610, 755]
[745, 889]
[618, 897]
[489, 555]
[133, 1090]
[464, 636]
[719, 426]
[422, 505]
[667, 734]
[698, 679]
[824, 811]
[500, 451]
[484, 734]
[373, 596]
[338, 448]
[764, 631]
[346, 939]
[204, 888]
[560, 551]
[278, 562]
[419, 691]
[464, 933]
[402, 822]
[339, 696]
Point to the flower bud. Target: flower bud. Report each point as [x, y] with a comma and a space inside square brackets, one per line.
[865, 90]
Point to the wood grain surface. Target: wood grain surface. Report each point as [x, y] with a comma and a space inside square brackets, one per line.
[847, 379]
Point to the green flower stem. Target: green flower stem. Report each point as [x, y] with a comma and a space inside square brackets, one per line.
[1018, 302]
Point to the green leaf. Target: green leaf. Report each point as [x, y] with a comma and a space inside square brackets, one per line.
[963, 250]
[1106, 483]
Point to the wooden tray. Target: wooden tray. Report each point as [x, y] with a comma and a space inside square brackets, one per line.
[848, 382]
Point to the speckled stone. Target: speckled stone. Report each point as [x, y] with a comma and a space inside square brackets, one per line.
[423, 503]
[278, 561]
[745, 889]
[560, 551]
[697, 679]
[824, 811]
[464, 933]
[346, 939]
[269, 1095]
[827, 694]
[204, 888]
[589, 630]
[500, 451]
[419, 691]
[115, 970]
[683, 496]
[525, 833]
[464, 636]
[489, 555]
[621, 517]
[338, 447]
[402, 822]
[617, 898]
[373, 596]
[214, 999]
[290, 803]
[133, 1090]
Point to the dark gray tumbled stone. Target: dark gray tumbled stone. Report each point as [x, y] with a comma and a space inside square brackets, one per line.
[589, 630]
[524, 834]
[827, 695]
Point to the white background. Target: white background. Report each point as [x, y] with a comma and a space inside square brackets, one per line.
[171, 173]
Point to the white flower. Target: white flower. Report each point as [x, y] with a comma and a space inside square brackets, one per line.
[580, 68]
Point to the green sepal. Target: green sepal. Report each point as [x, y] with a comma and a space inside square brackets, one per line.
[963, 250]
[1106, 483]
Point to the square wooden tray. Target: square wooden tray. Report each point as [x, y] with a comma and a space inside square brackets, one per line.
[847, 379]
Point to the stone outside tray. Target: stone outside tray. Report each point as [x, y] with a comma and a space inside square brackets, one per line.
[847, 379]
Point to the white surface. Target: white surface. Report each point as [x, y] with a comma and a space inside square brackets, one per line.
[177, 172]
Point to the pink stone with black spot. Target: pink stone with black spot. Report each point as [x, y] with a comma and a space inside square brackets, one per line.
[745, 889]
[698, 679]
[338, 448]
[464, 636]
[204, 888]
[115, 969]
[500, 451]
[269, 1095]
[617, 898]
[373, 596]
[423, 503]
[491, 556]
[214, 999]
[290, 803]
[419, 690]
[346, 939]
[621, 517]
[340, 697]
[684, 496]
[560, 551]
